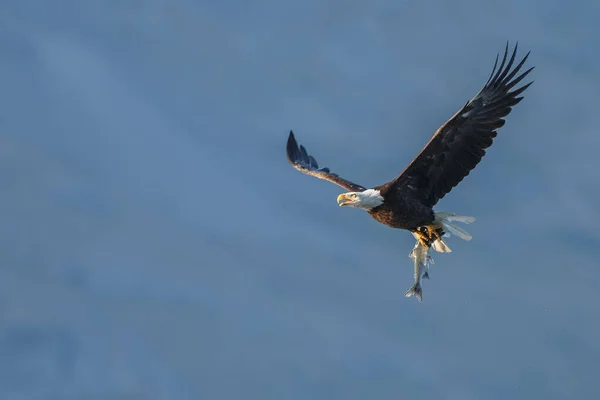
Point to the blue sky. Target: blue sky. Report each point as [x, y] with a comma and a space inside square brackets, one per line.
[155, 243]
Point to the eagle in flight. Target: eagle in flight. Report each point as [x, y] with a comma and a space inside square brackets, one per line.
[456, 148]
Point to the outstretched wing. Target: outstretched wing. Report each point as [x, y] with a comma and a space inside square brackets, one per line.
[305, 163]
[458, 145]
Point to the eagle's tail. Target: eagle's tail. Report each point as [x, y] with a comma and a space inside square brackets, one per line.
[448, 223]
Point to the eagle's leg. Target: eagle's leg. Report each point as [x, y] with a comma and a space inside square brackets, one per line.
[432, 232]
[424, 238]
[427, 234]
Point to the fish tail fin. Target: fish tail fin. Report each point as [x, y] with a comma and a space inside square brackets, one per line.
[416, 291]
[447, 221]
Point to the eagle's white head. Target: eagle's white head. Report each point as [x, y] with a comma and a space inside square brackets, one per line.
[366, 200]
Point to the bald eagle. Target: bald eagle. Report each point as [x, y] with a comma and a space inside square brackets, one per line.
[455, 149]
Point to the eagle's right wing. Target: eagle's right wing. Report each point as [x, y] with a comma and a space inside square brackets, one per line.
[305, 163]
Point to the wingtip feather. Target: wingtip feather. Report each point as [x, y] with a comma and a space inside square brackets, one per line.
[292, 149]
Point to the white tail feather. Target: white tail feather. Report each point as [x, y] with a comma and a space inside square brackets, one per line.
[446, 220]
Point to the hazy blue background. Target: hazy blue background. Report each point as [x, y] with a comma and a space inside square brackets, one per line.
[155, 244]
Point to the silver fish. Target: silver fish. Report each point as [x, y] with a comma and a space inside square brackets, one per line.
[422, 259]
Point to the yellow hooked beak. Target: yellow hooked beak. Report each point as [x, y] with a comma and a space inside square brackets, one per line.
[343, 199]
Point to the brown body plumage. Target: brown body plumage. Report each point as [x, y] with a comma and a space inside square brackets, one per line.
[404, 212]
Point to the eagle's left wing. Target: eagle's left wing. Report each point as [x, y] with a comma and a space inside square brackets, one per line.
[458, 145]
[305, 163]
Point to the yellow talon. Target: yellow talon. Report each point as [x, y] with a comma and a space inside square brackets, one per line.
[427, 234]
[432, 231]
[422, 238]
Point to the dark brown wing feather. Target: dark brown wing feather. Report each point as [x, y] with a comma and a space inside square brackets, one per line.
[458, 145]
[305, 163]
